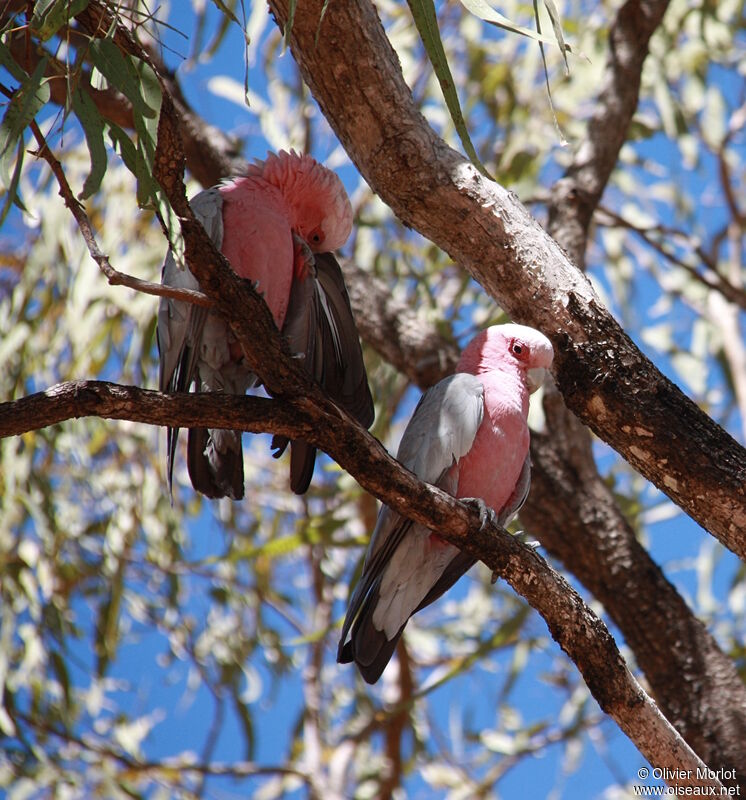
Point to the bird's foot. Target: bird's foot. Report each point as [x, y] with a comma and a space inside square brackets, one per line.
[532, 543]
[487, 515]
[303, 261]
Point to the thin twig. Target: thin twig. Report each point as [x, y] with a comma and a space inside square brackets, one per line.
[712, 279]
[114, 277]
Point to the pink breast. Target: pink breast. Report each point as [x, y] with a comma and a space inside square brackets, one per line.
[257, 241]
[491, 468]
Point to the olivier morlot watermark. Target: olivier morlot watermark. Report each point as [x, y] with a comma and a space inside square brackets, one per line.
[671, 776]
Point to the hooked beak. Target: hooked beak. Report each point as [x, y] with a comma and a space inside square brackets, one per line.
[534, 378]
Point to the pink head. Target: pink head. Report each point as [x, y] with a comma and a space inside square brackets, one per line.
[503, 345]
[320, 211]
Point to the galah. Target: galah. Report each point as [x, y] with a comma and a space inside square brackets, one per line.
[276, 225]
[469, 436]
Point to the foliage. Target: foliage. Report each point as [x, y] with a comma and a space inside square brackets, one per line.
[150, 649]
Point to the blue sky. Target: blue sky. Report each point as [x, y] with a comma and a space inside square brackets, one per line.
[185, 725]
[603, 761]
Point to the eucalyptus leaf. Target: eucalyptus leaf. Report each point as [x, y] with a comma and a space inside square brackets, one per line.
[50, 15]
[483, 10]
[93, 128]
[423, 12]
[119, 70]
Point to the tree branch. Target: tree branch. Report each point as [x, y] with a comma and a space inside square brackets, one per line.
[603, 376]
[203, 255]
[572, 512]
[576, 196]
[114, 277]
[573, 625]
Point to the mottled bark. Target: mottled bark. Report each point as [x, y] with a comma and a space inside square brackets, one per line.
[699, 664]
[580, 633]
[604, 377]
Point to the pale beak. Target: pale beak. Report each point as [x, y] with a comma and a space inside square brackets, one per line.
[535, 377]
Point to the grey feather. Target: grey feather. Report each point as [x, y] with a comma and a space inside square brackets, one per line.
[320, 327]
[194, 350]
[441, 431]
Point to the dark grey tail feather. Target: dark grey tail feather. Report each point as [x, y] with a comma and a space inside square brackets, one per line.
[346, 380]
[172, 437]
[368, 648]
[302, 461]
[221, 476]
[319, 324]
[460, 564]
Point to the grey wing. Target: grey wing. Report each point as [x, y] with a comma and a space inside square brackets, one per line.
[301, 329]
[443, 426]
[441, 431]
[344, 376]
[519, 495]
[320, 326]
[181, 325]
[463, 561]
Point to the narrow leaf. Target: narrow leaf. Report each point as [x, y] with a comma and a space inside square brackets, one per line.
[554, 16]
[7, 61]
[11, 196]
[50, 15]
[484, 11]
[291, 19]
[563, 140]
[228, 12]
[107, 624]
[120, 72]
[93, 128]
[124, 146]
[30, 96]
[423, 12]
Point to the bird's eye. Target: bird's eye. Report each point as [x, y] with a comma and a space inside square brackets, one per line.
[316, 236]
[518, 349]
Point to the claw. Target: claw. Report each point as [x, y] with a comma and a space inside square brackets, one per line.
[487, 515]
[532, 543]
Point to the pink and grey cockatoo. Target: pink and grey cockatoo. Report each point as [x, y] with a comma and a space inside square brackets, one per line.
[276, 226]
[469, 436]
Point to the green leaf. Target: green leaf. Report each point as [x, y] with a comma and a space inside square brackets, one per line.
[27, 99]
[151, 91]
[11, 196]
[554, 16]
[25, 103]
[557, 128]
[50, 15]
[138, 162]
[229, 13]
[423, 12]
[484, 11]
[124, 146]
[119, 70]
[107, 624]
[7, 61]
[93, 128]
[291, 19]
[247, 724]
[60, 670]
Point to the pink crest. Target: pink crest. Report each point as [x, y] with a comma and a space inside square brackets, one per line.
[320, 211]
